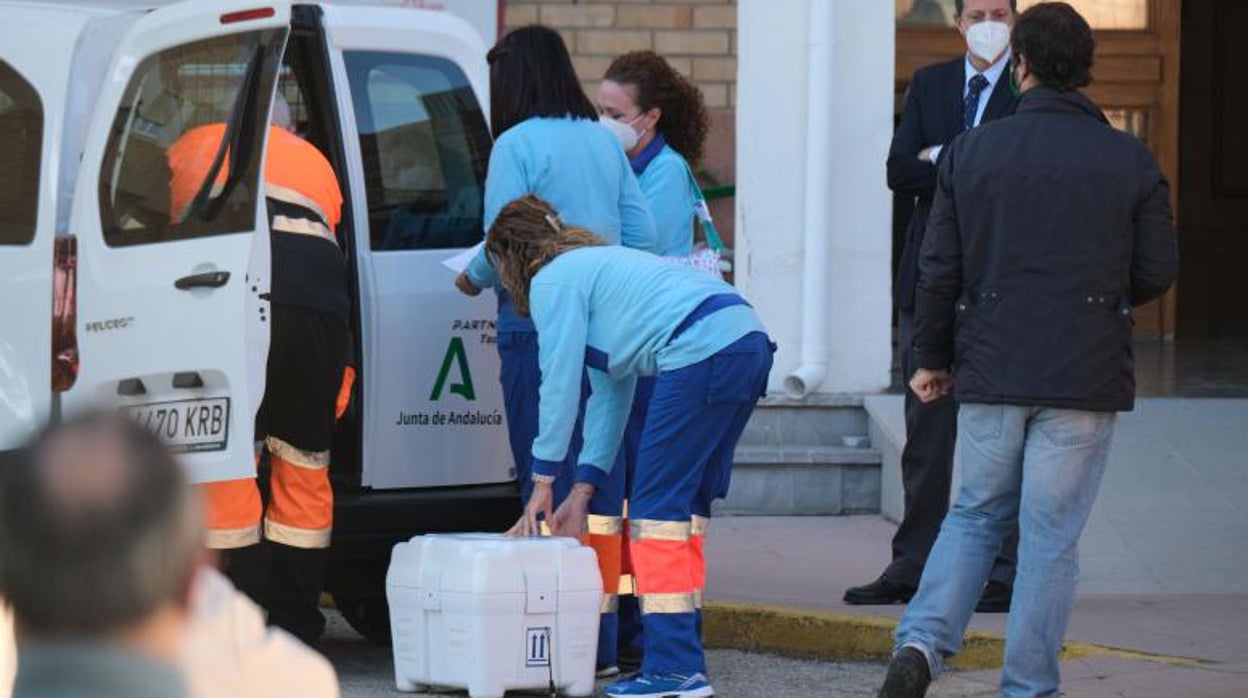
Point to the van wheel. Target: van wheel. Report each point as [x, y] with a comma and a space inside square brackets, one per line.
[359, 591]
[368, 616]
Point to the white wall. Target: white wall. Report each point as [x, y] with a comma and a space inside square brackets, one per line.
[771, 157]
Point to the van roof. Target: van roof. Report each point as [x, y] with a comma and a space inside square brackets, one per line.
[93, 7]
[110, 7]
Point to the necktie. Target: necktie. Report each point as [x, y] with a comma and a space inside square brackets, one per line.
[971, 107]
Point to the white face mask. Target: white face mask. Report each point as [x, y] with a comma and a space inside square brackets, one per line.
[988, 40]
[628, 137]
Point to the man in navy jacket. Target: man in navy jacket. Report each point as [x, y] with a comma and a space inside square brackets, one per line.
[1047, 229]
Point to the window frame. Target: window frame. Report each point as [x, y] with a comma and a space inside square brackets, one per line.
[24, 92]
[1152, 8]
[360, 65]
[239, 209]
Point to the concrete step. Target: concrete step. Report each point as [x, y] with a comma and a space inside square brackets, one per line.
[888, 434]
[819, 420]
[802, 480]
[804, 455]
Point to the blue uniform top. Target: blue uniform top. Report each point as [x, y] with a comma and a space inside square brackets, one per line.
[616, 310]
[667, 183]
[579, 167]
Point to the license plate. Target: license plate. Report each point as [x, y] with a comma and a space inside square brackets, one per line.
[186, 426]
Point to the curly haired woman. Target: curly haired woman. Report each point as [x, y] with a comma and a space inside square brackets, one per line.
[660, 119]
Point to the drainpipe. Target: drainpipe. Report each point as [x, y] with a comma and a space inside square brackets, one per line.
[819, 116]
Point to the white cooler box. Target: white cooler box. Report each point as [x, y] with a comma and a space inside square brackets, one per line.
[490, 613]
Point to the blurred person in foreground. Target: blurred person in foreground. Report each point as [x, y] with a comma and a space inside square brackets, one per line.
[101, 537]
[102, 511]
[1048, 227]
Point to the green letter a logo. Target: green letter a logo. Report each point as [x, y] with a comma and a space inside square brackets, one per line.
[455, 352]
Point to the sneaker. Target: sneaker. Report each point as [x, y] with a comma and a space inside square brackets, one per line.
[662, 686]
[908, 675]
[607, 672]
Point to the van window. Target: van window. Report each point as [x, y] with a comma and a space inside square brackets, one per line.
[21, 142]
[425, 145]
[167, 173]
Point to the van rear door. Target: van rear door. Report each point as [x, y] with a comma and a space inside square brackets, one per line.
[171, 236]
[410, 86]
[32, 95]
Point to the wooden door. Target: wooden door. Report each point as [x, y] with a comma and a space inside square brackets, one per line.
[1213, 203]
[1136, 81]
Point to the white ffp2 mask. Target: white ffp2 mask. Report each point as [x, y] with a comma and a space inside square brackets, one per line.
[628, 137]
[988, 40]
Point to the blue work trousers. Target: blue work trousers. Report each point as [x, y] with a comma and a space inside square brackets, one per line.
[696, 416]
[521, 379]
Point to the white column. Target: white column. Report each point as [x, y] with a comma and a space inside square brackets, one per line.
[772, 147]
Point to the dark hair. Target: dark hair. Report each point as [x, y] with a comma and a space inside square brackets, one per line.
[526, 236]
[1057, 44]
[655, 83]
[99, 528]
[959, 5]
[531, 75]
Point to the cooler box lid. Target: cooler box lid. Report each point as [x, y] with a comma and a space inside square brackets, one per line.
[490, 563]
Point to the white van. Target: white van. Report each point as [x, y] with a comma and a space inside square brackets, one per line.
[104, 300]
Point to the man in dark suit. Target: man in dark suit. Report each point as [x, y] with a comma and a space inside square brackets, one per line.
[944, 100]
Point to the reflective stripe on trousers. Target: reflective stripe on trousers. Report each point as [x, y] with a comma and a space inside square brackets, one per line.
[301, 507]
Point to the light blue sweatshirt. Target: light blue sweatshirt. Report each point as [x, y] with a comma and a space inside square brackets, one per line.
[579, 167]
[668, 187]
[616, 309]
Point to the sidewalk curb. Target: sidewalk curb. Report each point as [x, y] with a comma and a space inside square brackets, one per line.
[845, 637]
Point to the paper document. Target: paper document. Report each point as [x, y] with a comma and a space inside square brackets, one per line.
[459, 262]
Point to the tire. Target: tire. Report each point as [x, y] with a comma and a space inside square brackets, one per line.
[368, 616]
[359, 591]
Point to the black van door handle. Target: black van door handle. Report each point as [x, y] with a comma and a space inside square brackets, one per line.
[209, 279]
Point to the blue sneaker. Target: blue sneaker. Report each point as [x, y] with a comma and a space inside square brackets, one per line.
[662, 686]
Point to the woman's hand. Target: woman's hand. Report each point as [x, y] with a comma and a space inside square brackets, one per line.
[465, 285]
[540, 502]
[571, 518]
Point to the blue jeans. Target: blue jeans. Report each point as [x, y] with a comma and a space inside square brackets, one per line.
[1043, 467]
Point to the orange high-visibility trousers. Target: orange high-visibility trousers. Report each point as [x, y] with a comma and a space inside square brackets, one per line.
[606, 537]
[662, 553]
[301, 506]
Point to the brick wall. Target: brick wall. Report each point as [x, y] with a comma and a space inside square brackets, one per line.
[698, 37]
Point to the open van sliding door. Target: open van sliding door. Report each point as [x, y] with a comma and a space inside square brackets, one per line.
[416, 144]
[32, 89]
[172, 324]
